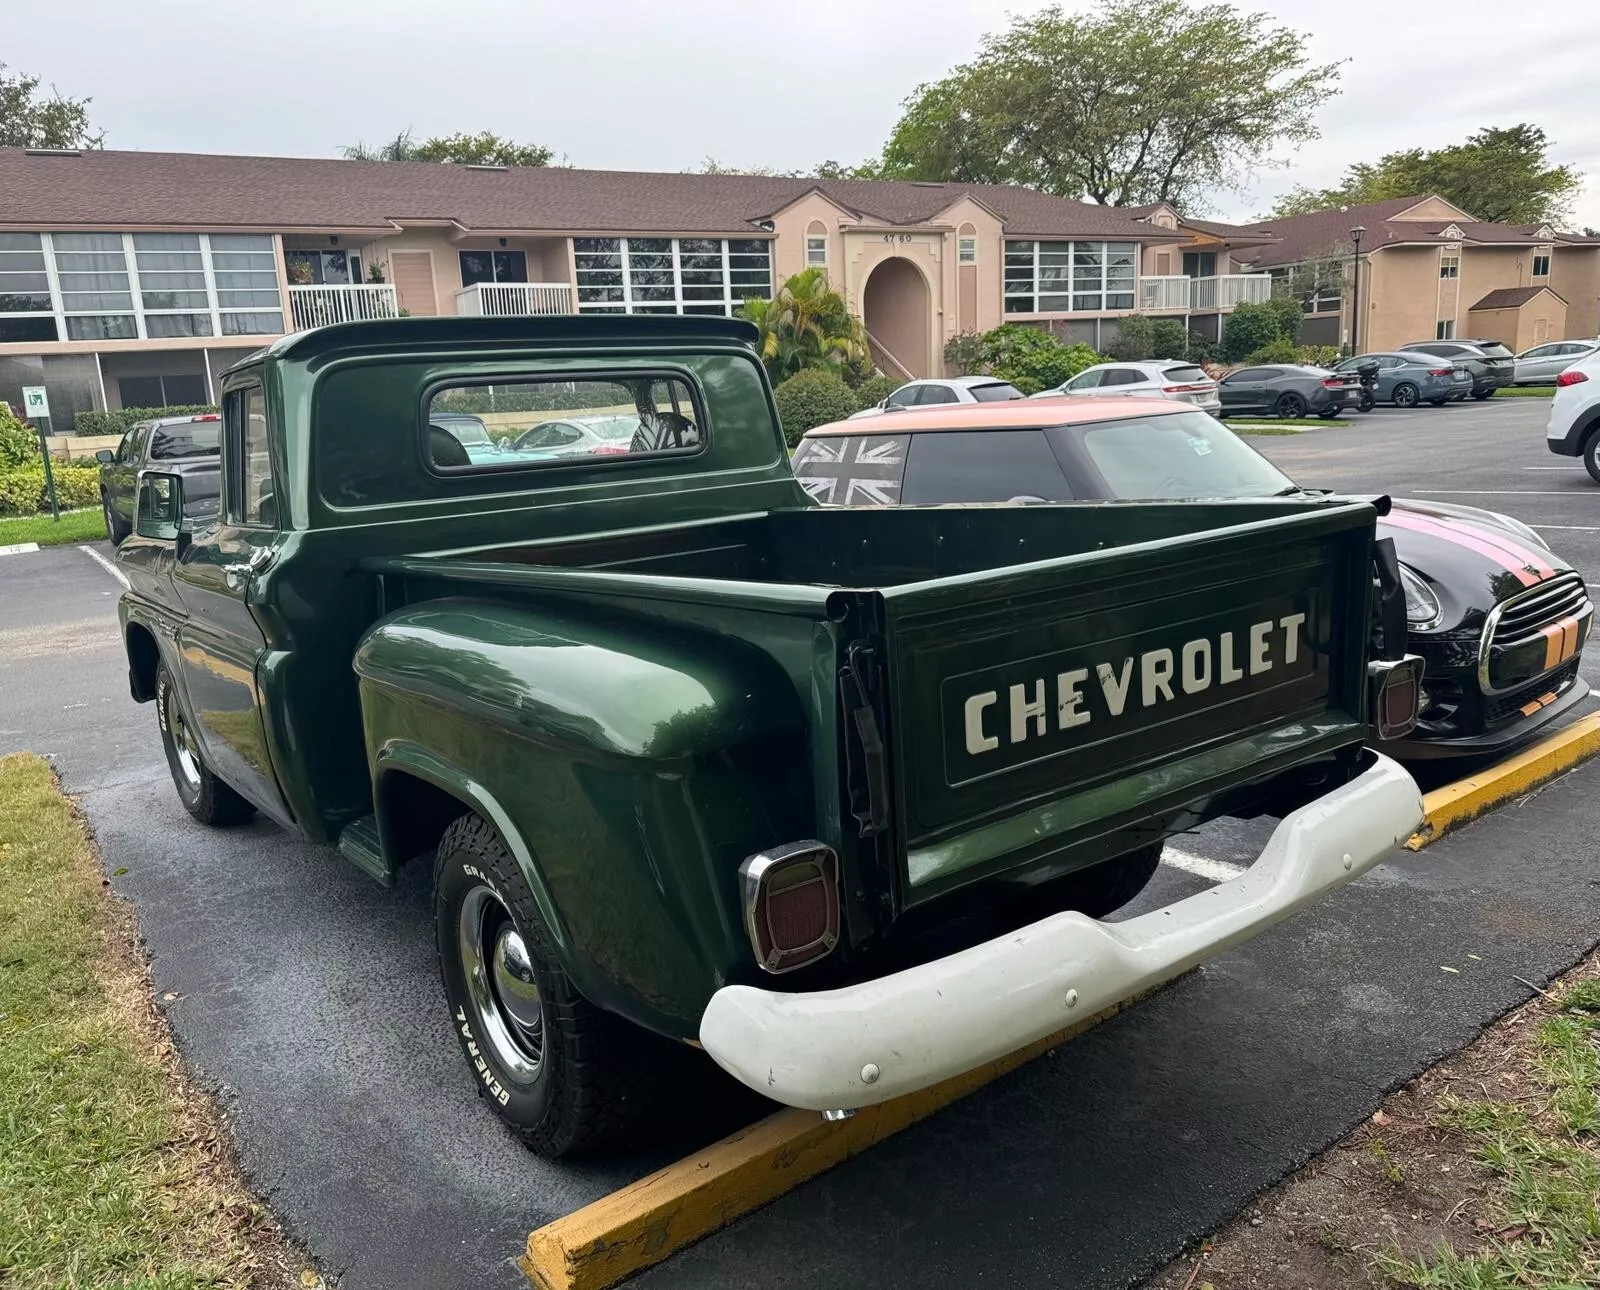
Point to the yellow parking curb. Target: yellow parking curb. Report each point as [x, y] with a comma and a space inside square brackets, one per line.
[1448, 808]
[640, 1225]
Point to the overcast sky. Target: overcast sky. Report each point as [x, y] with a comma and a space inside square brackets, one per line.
[631, 84]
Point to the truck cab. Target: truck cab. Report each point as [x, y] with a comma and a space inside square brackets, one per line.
[841, 796]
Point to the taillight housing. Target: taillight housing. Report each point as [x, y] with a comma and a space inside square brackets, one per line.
[1396, 694]
[1570, 377]
[791, 904]
[1333, 382]
[1196, 387]
[1440, 371]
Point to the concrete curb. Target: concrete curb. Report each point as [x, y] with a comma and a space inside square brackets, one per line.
[1448, 808]
[597, 1246]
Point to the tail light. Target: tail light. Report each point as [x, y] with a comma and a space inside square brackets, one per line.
[1199, 387]
[1397, 695]
[791, 904]
[1441, 371]
[1570, 377]
[608, 450]
[1333, 383]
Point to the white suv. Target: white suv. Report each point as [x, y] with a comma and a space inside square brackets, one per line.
[1574, 426]
[944, 389]
[1172, 379]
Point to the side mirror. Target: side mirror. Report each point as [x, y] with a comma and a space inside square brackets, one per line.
[105, 456]
[1028, 500]
[159, 510]
[882, 403]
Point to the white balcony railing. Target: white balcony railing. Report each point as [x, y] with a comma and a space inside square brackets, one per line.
[317, 306]
[1158, 293]
[514, 299]
[1228, 290]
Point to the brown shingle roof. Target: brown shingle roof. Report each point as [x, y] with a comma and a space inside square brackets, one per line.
[1512, 297]
[132, 189]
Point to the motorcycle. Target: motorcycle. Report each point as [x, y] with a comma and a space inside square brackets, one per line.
[1367, 373]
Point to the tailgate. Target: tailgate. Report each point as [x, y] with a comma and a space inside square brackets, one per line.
[1033, 707]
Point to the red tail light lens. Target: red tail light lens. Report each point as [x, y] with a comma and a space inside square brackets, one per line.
[1197, 388]
[1333, 383]
[608, 450]
[208, 416]
[791, 904]
[1440, 371]
[1570, 377]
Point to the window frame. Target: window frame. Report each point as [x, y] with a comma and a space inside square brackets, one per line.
[494, 279]
[815, 243]
[726, 306]
[1450, 266]
[234, 458]
[1069, 264]
[967, 251]
[1540, 255]
[573, 377]
[1445, 329]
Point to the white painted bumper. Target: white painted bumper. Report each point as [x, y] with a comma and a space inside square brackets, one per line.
[943, 1018]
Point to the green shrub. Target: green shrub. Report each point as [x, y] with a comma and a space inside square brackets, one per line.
[1289, 313]
[812, 397]
[1280, 350]
[876, 390]
[1140, 337]
[18, 442]
[99, 423]
[22, 490]
[1202, 349]
[963, 354]
[1319, 355]
[1044, 369]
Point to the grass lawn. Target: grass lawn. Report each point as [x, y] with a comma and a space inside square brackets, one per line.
[111, 1174]
[75, 526]
[1266, 427]
[1525, 392]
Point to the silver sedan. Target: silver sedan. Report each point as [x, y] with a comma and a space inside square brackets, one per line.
[1543, 363]
[1184, 382]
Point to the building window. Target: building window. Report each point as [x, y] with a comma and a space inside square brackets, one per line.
[26, 311]
[670, 275]
[172, 286]
[1541, 266]
[966, 250]
[323, 268]
[246, 275]
[96, 293]
[817, 252]
[1449, 266]
[162, 391]
[493, 266]
[1059, 277]
[1445, 330]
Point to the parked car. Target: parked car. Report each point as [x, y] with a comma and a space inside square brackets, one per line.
[189, 446]
[1180, 381]
[944, 389]
[1573, 428]
[578, 436]
[1489, 363]
[473, 445]
[1406, 380]
[1543, 363]
[1498, 618]
[693, 760]
[1287, 390]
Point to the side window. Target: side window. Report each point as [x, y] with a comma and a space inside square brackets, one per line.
[1244, 375]
[1393, 362]
[128, 449]
[1122, 376]
[851, 470]
[249, 491]
[1086, 380]
[982, 466]
[905, 396]
[936, 394]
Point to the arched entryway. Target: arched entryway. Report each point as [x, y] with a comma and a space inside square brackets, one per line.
[897, 310]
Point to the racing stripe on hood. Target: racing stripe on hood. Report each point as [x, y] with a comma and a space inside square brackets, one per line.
[1515, 546]
[1525, 570]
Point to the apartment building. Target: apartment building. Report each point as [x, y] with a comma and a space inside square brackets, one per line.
[133, 279]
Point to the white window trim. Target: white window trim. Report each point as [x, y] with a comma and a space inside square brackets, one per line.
[810, 262]
[54, 290]
[1450, 262]
[966, 244]
[1104, 291]
[1540, 253]
[730, 303]
[1444, 329]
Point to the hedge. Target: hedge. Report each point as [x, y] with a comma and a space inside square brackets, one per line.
[876, 389]
[810, 398]
[22, 490]
[99, 423]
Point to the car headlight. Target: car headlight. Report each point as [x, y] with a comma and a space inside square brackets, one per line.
[1423, 610]
[1523, 531]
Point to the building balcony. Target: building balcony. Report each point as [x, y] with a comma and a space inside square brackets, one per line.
[514, 299]
[318, 306]
[1177, 294]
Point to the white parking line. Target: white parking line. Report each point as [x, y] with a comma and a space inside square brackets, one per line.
[1553, 467]
[19, 548]
[1199, 866]
[104, 564]
[1569, 528]
[1494, 492]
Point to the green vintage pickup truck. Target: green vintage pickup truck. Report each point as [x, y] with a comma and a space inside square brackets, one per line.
[840, 796]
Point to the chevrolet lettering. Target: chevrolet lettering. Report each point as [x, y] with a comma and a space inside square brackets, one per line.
[700, 769]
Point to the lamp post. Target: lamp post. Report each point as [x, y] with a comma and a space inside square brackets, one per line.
[1355, 294]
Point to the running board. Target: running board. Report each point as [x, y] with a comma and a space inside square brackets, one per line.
[358, 843]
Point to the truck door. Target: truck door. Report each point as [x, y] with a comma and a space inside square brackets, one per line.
[220, 643]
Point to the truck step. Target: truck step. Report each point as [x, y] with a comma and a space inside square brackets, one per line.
[358, 843]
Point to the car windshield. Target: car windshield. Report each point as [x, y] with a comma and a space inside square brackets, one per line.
[186, 439]
[468, 431]
[1188, 454]
[999, 392]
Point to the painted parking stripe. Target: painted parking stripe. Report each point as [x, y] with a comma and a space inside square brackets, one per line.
[104, 564]
[1200, 866]
[19, 548]
[1499, 492]
[1568, 528]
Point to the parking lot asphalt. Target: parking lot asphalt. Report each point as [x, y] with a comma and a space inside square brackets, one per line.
[308, 997]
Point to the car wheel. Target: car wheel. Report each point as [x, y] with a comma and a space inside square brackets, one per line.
[1290, 405]
[203, 795]
[1481, 395]
[114, 531]
[1328, 414]
[1405, 395]
[560, 1072]
[1437, 403]
[1108, 886]
[1591, 455]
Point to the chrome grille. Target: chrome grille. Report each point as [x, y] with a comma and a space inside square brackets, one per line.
[1517, 621]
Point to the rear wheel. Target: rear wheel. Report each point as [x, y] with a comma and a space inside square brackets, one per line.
[114, 529]
[1290, 405]
[1110, 885]
[1591, 455]
[203, 795]
[1405, 395]
[563, 1074]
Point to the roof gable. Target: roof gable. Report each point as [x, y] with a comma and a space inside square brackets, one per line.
[1513, 298]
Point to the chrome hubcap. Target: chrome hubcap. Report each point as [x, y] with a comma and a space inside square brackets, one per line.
[183, 742]
[501, 985]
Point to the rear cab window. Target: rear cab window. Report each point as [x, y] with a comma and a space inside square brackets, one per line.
[186, 439]
[983, 466]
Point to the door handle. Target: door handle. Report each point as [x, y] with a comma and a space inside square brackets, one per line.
[238, 572]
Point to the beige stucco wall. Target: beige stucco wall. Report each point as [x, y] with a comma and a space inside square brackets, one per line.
[968, 294]
[548, 260]
[789, 232]
[864, 251]
[1575, 277]
[1519, 328]
[1485, 269]
[1433, 208]
[1399, 297]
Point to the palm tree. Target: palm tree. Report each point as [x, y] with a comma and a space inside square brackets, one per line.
[400, 148]
[806, 324]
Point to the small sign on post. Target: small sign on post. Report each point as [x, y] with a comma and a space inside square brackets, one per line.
[36, 407]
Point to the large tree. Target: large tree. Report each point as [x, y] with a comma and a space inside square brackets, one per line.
[1502, 174]
[481, 149]
[1136, 101]
[29, 119]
